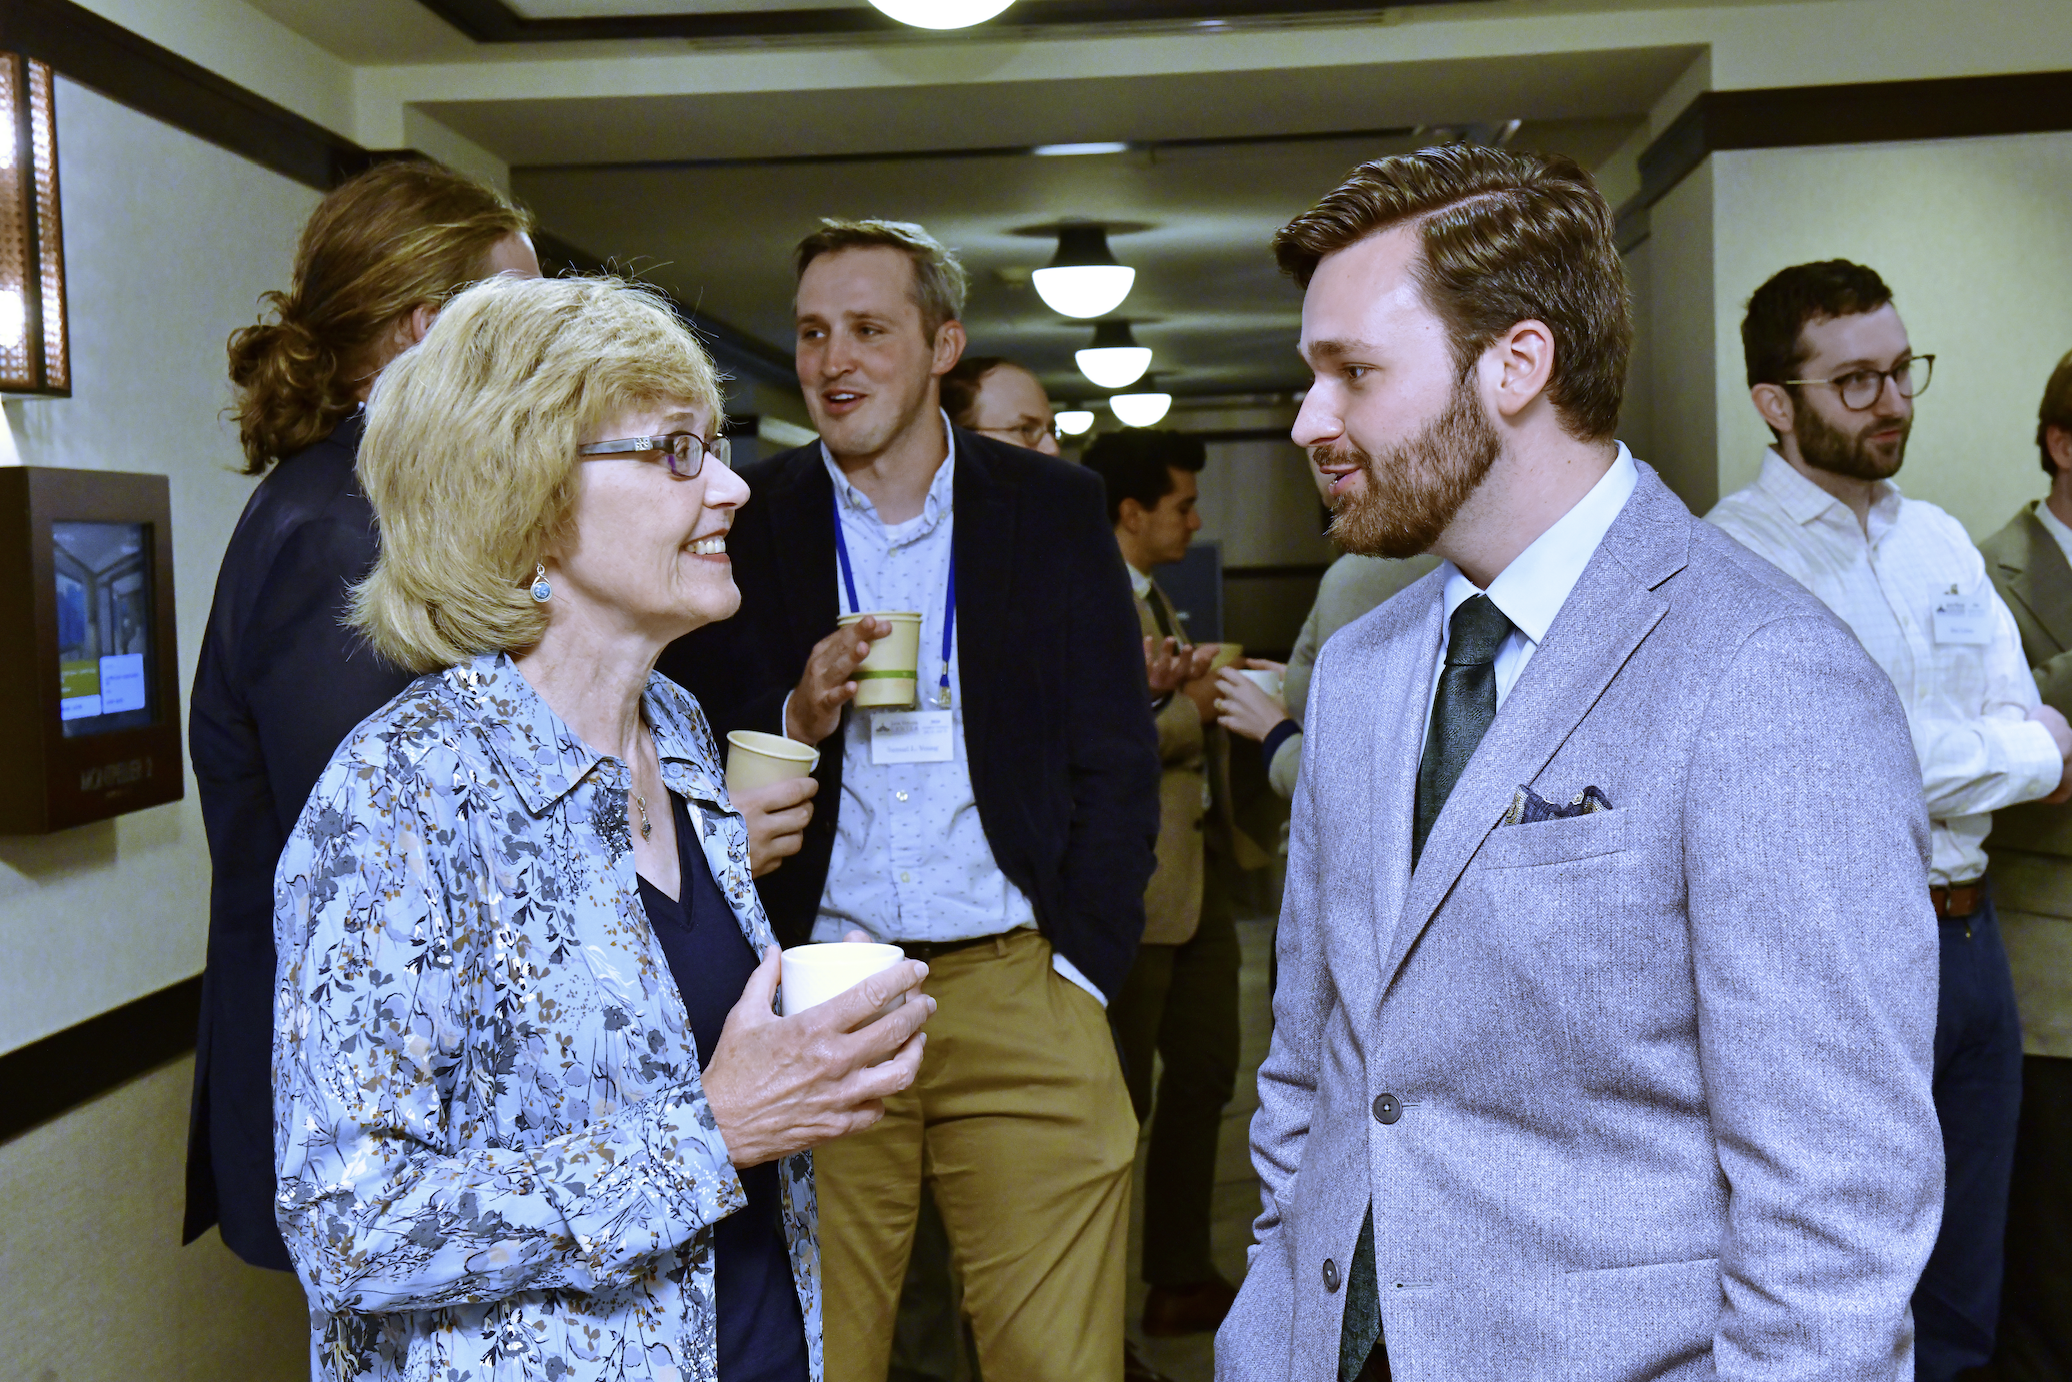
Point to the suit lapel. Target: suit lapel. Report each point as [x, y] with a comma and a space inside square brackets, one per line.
[802, 545]
[2045, 581]
[982, 543]
[1611, 610]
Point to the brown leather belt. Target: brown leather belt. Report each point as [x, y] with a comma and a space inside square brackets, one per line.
[925, 951]
[1959, 900]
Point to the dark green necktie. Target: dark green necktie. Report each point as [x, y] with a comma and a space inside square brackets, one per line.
[1461, 711]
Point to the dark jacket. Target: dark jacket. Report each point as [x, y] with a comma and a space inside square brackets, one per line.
[1057, 717]
[281, 681]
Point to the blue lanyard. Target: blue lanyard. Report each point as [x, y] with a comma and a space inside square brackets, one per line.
[949, 611]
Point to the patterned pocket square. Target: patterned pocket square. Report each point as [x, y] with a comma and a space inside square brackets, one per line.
[1528, 806]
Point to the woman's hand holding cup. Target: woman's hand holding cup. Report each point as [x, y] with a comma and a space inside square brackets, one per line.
[779, 1085]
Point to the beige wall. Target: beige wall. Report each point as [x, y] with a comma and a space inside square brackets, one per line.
[168, 243]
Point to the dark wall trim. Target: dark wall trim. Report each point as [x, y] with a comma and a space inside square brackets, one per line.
[1852, 113]
[493, 21]
[160, 83]
[49, 1078]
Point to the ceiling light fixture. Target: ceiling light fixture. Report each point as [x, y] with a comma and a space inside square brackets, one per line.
[1114, 360]
[942, 14]
[1083, 279]
[1068, 150]
[1075, 421]
[1140, 409]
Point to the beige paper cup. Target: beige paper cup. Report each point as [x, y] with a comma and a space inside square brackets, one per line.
[755, 759]
[887, 678]
[1227, 655]
[815, 973]
[1265, 679]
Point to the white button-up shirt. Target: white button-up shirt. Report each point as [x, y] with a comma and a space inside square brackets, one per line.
[1534, 587]
[911, 861]
[1967, 704]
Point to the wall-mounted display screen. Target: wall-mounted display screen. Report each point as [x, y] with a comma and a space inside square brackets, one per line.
[104, 618]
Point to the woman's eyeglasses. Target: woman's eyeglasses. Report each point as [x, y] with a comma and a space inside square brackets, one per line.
[683, 452]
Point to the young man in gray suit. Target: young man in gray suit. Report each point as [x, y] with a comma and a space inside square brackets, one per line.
[1602, 1042]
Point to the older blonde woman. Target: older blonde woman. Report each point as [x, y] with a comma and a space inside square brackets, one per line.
[535, 1117]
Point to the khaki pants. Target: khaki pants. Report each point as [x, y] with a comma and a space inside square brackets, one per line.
[1021, 1123]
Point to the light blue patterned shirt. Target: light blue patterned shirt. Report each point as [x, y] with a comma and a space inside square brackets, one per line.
[911, 861]
[494, 1149]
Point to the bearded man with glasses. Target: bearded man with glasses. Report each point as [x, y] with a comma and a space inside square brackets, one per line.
[1833, 374]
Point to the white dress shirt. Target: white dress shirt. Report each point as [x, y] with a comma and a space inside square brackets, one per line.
[911, 861]
[2055, 526]
[1534, 587]
[1967, 703]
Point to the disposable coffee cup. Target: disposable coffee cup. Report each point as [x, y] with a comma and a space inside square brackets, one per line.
[815, 973]
[886, 680]
[1227, 655]
[1266, 679]
[755, 759]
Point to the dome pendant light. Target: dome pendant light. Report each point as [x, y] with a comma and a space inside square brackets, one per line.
[1074, 422]
[1139, 409]
[942, 14]
[1114, 360]
[1083, 280]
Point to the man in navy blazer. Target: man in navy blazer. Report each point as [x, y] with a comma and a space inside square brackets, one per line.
[1607, 967]
[1007, 843]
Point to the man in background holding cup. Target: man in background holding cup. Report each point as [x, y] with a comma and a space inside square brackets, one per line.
[1001, 829]
[1181, 998]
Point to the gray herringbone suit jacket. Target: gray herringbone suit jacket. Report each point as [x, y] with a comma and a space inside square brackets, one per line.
[1664, 1070]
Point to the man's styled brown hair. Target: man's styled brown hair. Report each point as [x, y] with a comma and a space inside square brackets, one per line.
[2055, 410]
[1506, 237]
[398, 236]
[1773, 343]
[939, 280]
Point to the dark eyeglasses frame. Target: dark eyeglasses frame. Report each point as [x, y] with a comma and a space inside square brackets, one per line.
[1021, 436]
[1901, 375]
[683, 452]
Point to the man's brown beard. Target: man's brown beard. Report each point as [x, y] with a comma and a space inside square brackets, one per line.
[1413, 490]
[1829, 448]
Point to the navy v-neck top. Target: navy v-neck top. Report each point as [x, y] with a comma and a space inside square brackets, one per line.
[762, 1334]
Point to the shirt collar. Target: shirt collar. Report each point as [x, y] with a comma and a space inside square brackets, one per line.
[1533, 588]
[544, 757]
[1803, 501]
[934, 508]
[1139, 582]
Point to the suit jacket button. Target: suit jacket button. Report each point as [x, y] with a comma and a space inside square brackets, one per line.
[1330, 1275]
[1387, 1108]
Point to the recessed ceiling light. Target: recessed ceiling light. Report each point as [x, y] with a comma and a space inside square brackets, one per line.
[1083, 279]
[1114, 360]
[942, 14]
[1069, 150]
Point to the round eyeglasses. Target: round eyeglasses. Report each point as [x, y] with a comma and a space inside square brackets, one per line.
[1860, 388]
[683, 452]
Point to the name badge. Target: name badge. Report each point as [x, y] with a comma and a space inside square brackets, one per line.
[1963, 619]
[913, 736]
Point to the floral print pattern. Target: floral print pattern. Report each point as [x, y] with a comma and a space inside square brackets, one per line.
[495, 1156]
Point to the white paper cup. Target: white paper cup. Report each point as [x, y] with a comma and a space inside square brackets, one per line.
[755, 759]
[886, 680]
[815, 973]
[1266, 680]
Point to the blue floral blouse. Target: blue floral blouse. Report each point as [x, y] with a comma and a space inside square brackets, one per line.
[496, 1159]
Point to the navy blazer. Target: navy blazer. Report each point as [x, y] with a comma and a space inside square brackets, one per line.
[281, 681]
[1057, 715]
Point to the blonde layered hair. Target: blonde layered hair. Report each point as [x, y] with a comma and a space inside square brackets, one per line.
[470, 453]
